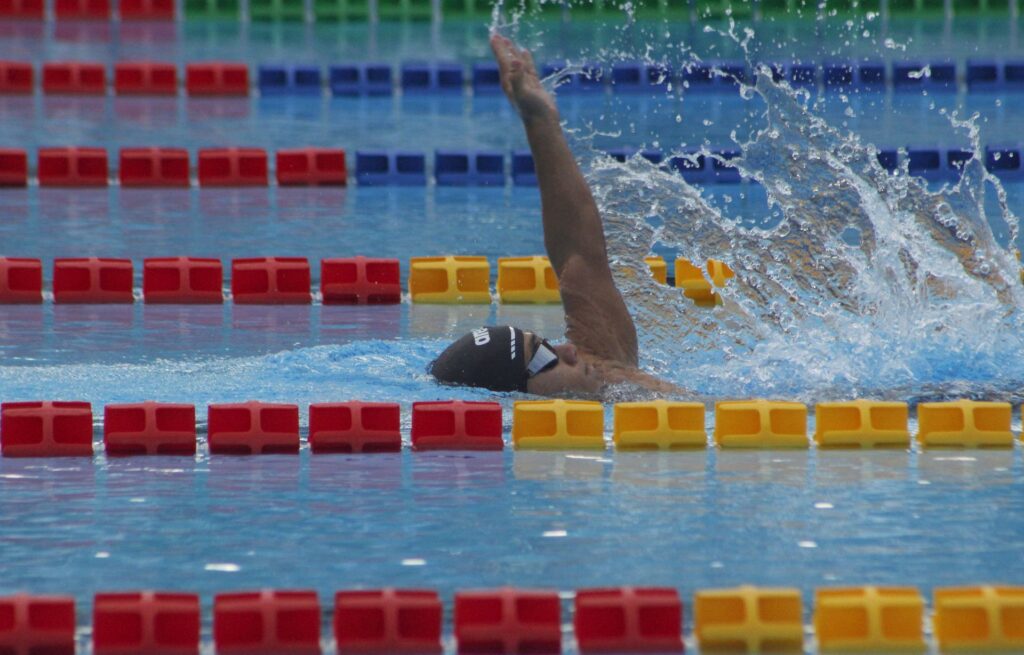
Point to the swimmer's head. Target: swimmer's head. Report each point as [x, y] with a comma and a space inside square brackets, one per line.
[505, 358]
[490, 357]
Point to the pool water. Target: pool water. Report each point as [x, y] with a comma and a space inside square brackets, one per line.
[455, 521]
[551, 520]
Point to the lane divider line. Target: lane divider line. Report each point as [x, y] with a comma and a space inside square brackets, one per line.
[509, 620]
[65, 428]
[163, 167]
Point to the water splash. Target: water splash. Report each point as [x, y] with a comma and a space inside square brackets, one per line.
[870, 284]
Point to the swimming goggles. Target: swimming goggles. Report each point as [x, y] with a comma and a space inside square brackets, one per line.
[544, 358]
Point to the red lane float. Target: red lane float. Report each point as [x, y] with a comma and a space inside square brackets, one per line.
[13, 167]
[182, 281]
[136, 623]
[21, 281]
[217, 79]
[271, 622]
[508, 621]
[456, 425]
[253, 428]
[153, 167]
[37, 624]
[271, 281]
[628, 620]
[355, 427]
[387, 621]
[360, 281]
[232, 167]
[145, 77]
[46, 429]
[74, 78]
[149, 428]
[146, 9]
[21, 9]
[16, 76]
[73, 167]
[82, 9]
[92, 280]
[311, 167]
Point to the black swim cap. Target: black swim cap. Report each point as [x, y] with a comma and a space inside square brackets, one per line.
[493, 357]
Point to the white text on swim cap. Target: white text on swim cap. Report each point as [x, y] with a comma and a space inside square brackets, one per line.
[481, 336]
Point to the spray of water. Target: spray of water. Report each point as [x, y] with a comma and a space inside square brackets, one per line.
[870, 285]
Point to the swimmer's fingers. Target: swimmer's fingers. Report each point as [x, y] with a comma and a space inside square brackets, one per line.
[509, 65]
[528, 65]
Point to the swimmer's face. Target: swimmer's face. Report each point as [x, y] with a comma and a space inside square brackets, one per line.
[570, 375]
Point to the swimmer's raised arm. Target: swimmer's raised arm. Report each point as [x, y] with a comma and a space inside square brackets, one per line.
[597, 320]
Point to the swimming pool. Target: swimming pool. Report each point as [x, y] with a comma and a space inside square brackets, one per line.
[454, 521]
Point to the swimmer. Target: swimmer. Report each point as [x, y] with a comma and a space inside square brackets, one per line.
[601, 351]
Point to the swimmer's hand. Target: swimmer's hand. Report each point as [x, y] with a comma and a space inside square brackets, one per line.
[520, 81]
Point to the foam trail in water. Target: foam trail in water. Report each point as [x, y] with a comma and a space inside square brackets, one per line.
[365, 369]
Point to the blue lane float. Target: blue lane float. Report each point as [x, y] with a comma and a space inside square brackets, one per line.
[956, 159]
[692, 166]
[837, 74]
[523, 172]
[872, 76]
[724, 173]
[927, 163]
[732, 74]
[623, 154]
[382, 168]
[1003, 160]
[716, 76]
[631, 77]
[983, 75]
[485, 78]
[1013, 74]
[942, 76]
[805, 75]
[289, 80]
[367, 79]
[461, 168]
[698, 76]
[422, 78]
[935, 76]
[889, 159]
